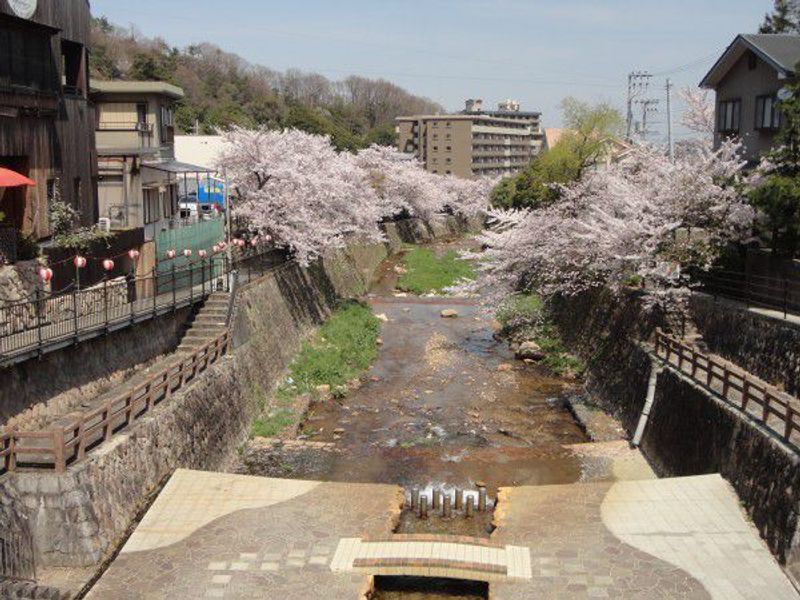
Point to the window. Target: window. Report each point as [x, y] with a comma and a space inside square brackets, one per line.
[166, 125]
[436, 148]
[26, 57]
[729, 117]
[77, 189]
[449, 172]
[449, 148]
[768, 116]
[72, 67]
[752, 61]
[150, 198]
[448, 136]
[436, 136]
[141, 113]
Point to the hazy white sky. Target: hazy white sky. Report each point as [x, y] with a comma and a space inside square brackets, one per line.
[536, 51]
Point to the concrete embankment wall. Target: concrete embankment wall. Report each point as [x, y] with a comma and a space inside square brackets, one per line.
[77, 518]
[690, 431]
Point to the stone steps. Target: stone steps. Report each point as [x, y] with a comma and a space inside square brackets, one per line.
[207, 324]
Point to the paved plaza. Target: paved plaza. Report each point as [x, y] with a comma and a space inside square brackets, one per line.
[215, 535]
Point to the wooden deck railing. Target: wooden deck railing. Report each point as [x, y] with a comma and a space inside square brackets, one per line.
[766, 404]
[69, 441]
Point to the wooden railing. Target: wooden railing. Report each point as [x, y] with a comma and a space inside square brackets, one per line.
[69, 441]
[766, 404]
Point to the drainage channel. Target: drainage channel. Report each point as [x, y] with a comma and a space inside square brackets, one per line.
[443, 510]
[427, 588]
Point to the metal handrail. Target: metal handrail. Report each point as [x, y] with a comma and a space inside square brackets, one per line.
[738, 388]
[763, 291]
[29, 327]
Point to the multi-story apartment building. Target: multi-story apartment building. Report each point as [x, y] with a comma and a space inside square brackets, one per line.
[46, 121]
[466, 145]
[510, 109]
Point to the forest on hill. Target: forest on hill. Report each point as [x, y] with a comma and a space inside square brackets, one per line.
[223, 89]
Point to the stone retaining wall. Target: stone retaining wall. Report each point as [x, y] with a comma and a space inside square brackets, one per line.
[767, 347]
[32, 382]
[691, 432]
[79, 517]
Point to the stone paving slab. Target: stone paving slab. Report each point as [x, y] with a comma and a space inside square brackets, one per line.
[214, 535]
[668, 538]
[217, 535]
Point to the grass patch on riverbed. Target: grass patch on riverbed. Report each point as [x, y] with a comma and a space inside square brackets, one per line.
[523, 318]
[428, 272]
[343, 348]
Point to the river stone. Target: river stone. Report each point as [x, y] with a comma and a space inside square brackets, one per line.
[530, 351]
[504, 368]
[449, 313]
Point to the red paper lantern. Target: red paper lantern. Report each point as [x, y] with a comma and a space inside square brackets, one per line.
[108, 264]
[222, 245]
[239, 242]
[187, 253]
[46, 274]
[216, 248]
[133, 254]
[202, 254]
[254, 242]
[79, 262]
[171, 254]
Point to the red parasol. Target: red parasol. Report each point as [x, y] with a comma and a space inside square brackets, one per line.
[9, 178]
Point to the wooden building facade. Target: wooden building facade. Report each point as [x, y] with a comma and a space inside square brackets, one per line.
[47, 123]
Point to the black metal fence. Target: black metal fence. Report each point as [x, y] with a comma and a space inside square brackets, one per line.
[777, 293]
[70, 315]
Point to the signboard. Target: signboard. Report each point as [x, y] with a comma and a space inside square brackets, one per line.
[23, 8]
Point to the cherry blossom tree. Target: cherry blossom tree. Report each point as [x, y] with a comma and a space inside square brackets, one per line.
[403, 186]
[644, 220]
[699, 114]
[295, 188]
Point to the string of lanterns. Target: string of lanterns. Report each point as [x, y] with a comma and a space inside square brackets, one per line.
[81, 262]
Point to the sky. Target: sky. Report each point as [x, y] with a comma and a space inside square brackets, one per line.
[534, 51]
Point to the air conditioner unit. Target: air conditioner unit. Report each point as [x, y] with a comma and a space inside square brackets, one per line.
[104, 224]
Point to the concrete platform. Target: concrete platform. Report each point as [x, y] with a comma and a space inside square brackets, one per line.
[215, 535]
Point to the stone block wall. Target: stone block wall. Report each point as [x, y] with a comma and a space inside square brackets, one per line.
[691, 432]
[765, 346]
[35, 381]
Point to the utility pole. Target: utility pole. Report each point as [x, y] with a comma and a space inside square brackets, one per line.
[638, 82]
[670, 140]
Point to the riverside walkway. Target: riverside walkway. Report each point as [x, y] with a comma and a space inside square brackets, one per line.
[215, 535]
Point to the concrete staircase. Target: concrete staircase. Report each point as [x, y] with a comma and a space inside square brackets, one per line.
[207, 323]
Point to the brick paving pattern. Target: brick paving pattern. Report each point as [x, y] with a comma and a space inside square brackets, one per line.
[212, 535]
